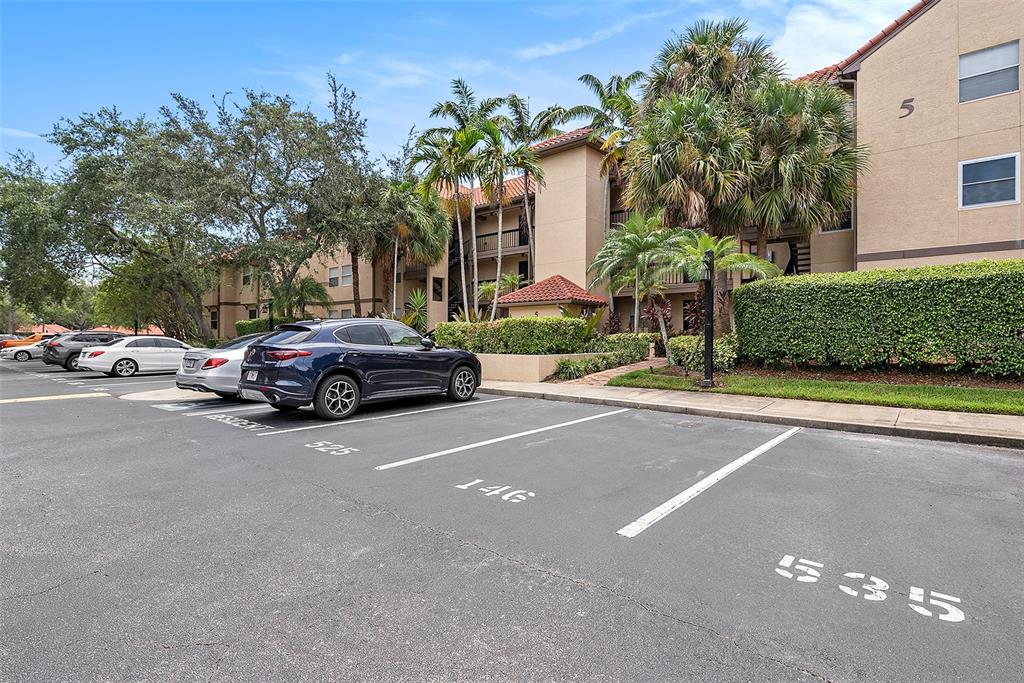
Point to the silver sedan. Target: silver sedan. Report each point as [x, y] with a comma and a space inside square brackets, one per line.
[215, 370]
[24, 353]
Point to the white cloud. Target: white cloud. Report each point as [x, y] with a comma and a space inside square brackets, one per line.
[15, 133]
[819, 33]
[347, 57]
[580, 42]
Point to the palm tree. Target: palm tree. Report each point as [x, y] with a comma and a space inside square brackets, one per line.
[522, 129]
[714, 57]
[510, 282]
[419, 228]
[638, 248]
[488, 291]
[290, 295]
[467, 113]
[494, 163]
[611, 123]
[446, 157]
[805, 159]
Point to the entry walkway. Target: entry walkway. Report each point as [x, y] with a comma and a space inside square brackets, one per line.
[599, 379]
[992, 430]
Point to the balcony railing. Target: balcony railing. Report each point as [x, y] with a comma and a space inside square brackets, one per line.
[511, 241]
[620, 216]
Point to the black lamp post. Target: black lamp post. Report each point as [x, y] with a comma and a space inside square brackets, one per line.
[709, 320]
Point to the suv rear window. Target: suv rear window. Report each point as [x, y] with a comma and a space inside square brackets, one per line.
[288, 335]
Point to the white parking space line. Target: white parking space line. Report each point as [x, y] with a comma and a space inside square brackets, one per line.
[58, 397]
[343, 423]
[263, 406]
[676, 502]
[499, 439]
[121, 384]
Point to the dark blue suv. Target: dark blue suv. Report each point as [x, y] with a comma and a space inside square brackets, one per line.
[337, 364]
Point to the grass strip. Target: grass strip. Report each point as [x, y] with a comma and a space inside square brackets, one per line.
[926, 396]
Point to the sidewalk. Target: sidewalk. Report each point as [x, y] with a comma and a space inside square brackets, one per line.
[976, 428]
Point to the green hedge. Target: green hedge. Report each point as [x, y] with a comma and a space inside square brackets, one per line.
[243, 327]
[634, 343]
[532, 336]
[574, 368]
[689, 349]
[964, 316]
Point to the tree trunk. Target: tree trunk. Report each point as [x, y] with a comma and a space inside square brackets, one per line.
[531, 253]
[497, 281]
[636, 302]
[723, 312]
[664, 332]
[462, 254]
[356, 294]
[394, 280]
[472, 240]
[607, 229]
[762, 242]
[388, 279]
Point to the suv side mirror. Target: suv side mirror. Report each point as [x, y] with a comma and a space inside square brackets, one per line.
[427, 343]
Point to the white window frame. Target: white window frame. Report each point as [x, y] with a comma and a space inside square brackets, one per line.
[247, 277]
[346, 276]
[960, 77]
[333, 269]
[960, 181]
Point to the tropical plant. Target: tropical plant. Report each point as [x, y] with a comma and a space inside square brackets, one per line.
[467, 113]
[416, 311]
[714, 57]
[488, 291]
[510, 282]
[632, 256]
[299, 294]
[420, 228]
[523, 129]
[805, 159]
[495, 161]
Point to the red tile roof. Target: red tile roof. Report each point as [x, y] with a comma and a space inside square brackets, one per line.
[828, 73]
[553, 289]
[563, 139]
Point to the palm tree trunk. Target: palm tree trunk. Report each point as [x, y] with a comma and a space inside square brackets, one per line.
[636, 302]
[394, 280]
[358, 304]
[532, 254]
[762, 242]
[664, 332]
[387, 278]
[472, 240]
[497, 282]
[462, 254]
[607, 229]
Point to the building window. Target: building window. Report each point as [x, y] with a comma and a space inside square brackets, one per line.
[346, 313]
[247, 277]
[332, 277]
[346, 276]
[989, 72]
[214, 319]
[437, 284]
[253, 314]
[990, 181]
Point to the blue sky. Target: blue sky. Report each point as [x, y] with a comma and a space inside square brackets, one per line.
[60, 59]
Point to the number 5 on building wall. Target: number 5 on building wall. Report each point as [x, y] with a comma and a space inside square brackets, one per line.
[806, 566]
[907, 106]
[936, 599]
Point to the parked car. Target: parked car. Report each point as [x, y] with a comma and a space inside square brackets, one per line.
[64, 350]
[215, 370]
[335, 365]
[133, 355]
[24, 353]
[27, 341]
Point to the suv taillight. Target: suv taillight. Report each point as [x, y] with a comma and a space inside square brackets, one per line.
[213, 363]
[287, 354]
[52, 344]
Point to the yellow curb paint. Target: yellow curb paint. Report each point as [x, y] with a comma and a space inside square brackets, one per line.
[51, 398]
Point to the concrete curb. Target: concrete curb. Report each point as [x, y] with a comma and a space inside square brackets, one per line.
[814, 423]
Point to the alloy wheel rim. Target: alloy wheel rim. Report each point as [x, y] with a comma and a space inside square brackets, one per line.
[340, 397]
[21, 355]
[123, 368]
[464, 382]
[74, 363]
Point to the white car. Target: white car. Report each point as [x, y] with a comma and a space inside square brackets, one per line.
[24, 353]
[218, 369]
[128, 356]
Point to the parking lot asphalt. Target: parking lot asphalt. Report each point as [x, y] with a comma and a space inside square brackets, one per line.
[502, 539]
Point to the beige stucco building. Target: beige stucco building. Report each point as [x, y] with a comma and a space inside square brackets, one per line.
[938, 103]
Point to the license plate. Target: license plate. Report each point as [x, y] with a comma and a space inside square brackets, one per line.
[251, 376]
[190, 363]
[254, 395]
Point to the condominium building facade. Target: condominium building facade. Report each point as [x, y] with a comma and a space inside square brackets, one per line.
[938, 104]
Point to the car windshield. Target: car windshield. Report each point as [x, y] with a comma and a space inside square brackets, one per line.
[239, 343]
[288, 335]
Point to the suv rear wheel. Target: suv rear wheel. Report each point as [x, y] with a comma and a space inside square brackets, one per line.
[336, 398]
[71, 364]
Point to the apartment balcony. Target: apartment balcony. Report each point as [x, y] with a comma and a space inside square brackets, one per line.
[674, 284]
[620, 216]
[414, 271]
[515, 241]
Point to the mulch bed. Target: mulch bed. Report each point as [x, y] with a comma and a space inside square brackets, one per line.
[893, 376]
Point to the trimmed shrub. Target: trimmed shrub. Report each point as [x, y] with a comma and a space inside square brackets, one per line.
[574, 368]
[635, 343]
[531, 336]
[688, 351]
[243, 327]
[964, 316]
